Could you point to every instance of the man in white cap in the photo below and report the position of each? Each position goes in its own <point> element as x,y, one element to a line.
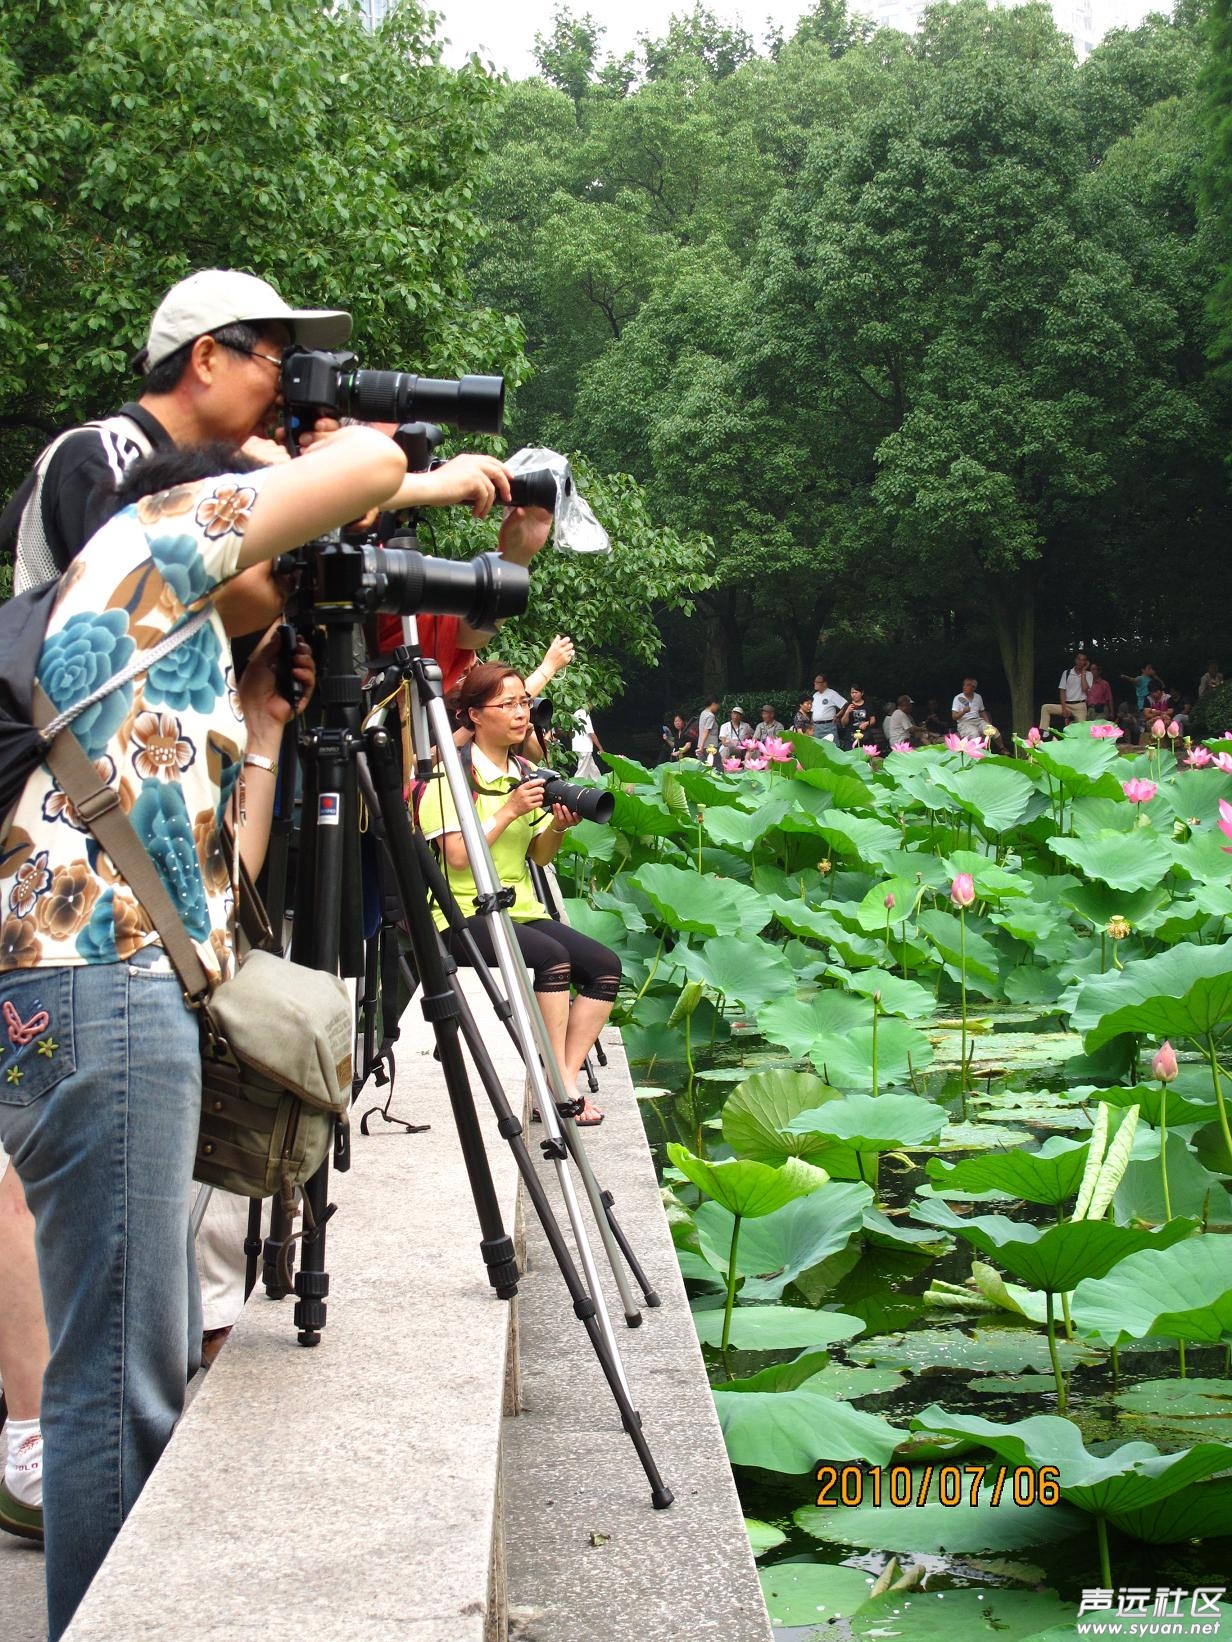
<point>210,365</point>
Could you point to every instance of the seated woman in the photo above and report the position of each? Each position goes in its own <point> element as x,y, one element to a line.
<point>492,702</point>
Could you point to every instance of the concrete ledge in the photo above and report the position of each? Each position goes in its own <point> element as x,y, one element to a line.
<point>347,1492</point>
<point>382,1485</point>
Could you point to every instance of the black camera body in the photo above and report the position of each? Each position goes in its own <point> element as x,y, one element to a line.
<point>591,803</point>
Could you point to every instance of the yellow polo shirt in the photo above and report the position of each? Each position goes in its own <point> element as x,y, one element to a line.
<point>438,815</point>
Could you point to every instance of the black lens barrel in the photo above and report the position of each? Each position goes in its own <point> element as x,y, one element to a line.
<point>474,403</point>
<point>486,590</point>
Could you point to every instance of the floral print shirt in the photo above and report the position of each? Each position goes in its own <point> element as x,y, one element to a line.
<point>171,740</point>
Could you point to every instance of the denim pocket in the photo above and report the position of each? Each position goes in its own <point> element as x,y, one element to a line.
<point>36,1033</point>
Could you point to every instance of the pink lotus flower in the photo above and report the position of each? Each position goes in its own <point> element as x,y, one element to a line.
<point>1107,732</point>
<point>1033,736</point>
<point>731,765</point>
<point>1158,727</point>
<point>974,748</point>
<point>1225,823</point>
<point>1199,756</point>
<point>779,751</point>
<point>889,901</point>
<point>1164,1065</point>
<point>954,742</point>
<point>1174,729</point>
<point>1141,792</point>
<point>962,890</point>
<point>749,741</point>
<point>872,751</point>
<point>752,762</point>
<point>904,747</point>
<point>1223,761</point>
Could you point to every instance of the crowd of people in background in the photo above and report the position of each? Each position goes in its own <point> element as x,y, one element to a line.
<point>850,721</point>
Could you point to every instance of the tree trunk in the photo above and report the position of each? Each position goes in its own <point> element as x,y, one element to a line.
<point>714,661</point>
<point>1011,597</point>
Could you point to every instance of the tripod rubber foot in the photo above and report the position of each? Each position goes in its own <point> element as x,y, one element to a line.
<point>651,1298</point>
<point>308,1337</point>
<point>661,1497</point>
<point>633,1318</point>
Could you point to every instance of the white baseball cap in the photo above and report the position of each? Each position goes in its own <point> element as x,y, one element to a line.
<point>214,297</point>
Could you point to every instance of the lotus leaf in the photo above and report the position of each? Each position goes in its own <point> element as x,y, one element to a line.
<point>859,836</point>
<point>797,1022</point>
<point>1192,1410</point>
<point>998,796</point>
<point>745,1187</point>
<point>1135,1487</point>
<point>702,906</point>
<point>1149,1098</point>
<point>763,1536</point>
<point>1123,860</point>
<point>790,1431</point>
<point>776,1328</point>
<point>879,1229</point>
<point>757,1112</point>
<point>868,1123</point>
<point>605,926</point>
<point>897,996</point>
<point>1050,1175</point>
<point>940,1616</point>
<point>750,972</point>
<point>942,929</point>
<point>773,1251</point>
<point>1056,1258</point>
<point>872,913</point>
<point>812,1593</point>
<point>935,1528</point>
<point>983,1351</point>
<point>628,770</point>
<point>645,816</point>
<point>1182,1293</point>
<point>1081,765</point>
<point>1184,993</point>
<point>786,1376</point>
<point>847,1061</point>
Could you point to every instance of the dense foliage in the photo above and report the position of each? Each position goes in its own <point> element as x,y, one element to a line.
<point>915,329</point>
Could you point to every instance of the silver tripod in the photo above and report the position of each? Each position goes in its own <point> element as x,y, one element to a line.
<point>430,720</point>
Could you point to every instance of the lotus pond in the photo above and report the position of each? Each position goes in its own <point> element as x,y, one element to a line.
<point>934,1054</point>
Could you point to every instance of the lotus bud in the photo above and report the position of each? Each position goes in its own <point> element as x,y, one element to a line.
<point>1118,928</point>
<point>1033,736</point>
<point>1164,1065</point>
<point>1174,729</point>
<point>1158,728</point>
<point>962,890</point>
<point>877,997</point>
<point>889,901</point>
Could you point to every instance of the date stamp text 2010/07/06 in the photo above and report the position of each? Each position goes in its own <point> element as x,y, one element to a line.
<point>955,1485</point>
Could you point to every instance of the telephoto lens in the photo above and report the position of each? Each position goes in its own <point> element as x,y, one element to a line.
<point>482,592</point>
<point>540,714</point>
<point>591,803</point>
<point>474,403</point>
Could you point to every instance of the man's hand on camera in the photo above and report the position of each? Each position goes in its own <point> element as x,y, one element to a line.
<point>307,437</point>
<point>477,480</point>
<point>267,451</point>
<point>523,532</point>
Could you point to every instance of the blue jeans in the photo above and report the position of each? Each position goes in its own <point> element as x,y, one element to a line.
<point>101,1124</point>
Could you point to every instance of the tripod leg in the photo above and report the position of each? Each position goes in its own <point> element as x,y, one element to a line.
<point>504,1013</point>
<point>441,1009</point>
<point>573,1141</point>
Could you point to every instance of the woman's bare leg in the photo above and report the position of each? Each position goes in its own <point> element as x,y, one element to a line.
<point>23,1333</point>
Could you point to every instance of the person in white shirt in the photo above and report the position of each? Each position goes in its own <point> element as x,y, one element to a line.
<point>732,733</point>
<point>900,726</point>
<point>1072,690</point>
<point>585,744</point>
<point>971,717</point>
<point>827,705</point>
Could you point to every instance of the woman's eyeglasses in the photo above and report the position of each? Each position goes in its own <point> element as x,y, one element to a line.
<point>509,706</point>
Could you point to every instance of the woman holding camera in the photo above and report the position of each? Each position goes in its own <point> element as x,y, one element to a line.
<point>492,702</point>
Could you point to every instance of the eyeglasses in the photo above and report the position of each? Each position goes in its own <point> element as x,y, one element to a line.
<point>254,353</point>
<point>514,703</point>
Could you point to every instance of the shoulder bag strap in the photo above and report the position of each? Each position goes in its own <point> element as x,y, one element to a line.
<point>98,805</point>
